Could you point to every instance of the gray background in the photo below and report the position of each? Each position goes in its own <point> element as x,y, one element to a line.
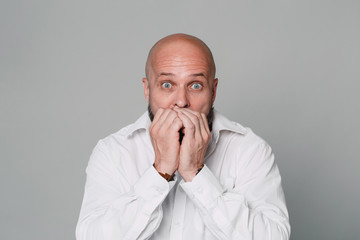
<point>70,74</point>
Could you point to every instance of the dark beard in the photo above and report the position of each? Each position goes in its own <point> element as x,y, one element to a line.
<point>209,117</point>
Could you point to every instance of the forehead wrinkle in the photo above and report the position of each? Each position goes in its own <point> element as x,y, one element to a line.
<point>196,65</point>
<point>183,69</point>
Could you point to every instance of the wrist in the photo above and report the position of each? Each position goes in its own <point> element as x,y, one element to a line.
<point>199,169</point>
<point>164,168</point>
<point>188,176</point>
<point>167,175</point>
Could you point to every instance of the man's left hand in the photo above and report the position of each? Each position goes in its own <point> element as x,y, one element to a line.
<point>194,144</point>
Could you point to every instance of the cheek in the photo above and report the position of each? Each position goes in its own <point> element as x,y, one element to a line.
<point>160,102</point>
<point>201,105</point>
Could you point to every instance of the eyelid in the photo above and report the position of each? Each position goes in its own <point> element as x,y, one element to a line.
<point>201,85</point>
<point>168,82</point>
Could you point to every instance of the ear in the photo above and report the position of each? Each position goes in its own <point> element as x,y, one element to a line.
<point>214,90</point>
<point>145,82</point>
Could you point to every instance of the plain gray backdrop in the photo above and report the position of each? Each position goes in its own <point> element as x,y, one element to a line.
<point>70,74</point>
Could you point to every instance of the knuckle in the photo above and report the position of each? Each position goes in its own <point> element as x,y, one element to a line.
<point>153,130</point>
<point>207,137</point>
<point>153,134</point>
<point>172,113</point>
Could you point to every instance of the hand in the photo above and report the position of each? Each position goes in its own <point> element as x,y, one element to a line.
<point>164,133</point>
<point>195,142</point>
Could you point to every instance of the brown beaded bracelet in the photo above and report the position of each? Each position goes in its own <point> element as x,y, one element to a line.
<point>167,176</point>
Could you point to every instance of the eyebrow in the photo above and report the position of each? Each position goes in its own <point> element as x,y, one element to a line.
<point>166,74</point>
<point>191,75</point>
<point>198,75</point>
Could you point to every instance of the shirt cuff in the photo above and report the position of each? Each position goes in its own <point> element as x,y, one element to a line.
<point>152,186</point>
<point>204,188</point>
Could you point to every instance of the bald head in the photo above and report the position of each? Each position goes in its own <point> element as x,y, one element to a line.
<point>177,45</point>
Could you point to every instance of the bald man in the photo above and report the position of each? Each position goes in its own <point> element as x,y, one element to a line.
<point>182,170</point>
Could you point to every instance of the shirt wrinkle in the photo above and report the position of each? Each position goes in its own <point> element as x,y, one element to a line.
<point>236,188</point>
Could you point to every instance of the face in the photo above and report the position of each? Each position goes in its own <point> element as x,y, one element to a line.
<point>180,76</point>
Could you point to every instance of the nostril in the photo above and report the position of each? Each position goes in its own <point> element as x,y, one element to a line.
<point>186,106</point>
<point>180,105</point>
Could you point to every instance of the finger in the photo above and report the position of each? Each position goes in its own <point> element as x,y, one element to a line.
<point>195,118</point>
<point>177,124</point>
<point>202,118</point>
<point>206,132</point>
<point>171,123</point>
<point>158,119</point>
<point>164,116</point>
<point>203,131</point>
<point>158,114</point>
<point>189,127</point>
<point>205,122</point>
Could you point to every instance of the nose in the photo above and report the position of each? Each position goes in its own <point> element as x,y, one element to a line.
<point>181,98</point>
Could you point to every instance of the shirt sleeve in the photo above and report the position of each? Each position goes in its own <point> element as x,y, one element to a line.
<point>112,209</point>
<point>252,207</point>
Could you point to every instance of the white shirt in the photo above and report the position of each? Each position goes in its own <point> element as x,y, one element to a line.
<point>237,195</point>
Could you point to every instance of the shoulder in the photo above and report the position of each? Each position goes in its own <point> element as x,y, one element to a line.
<point>250,154</point>
<point>126,136</point>
<point>239,138</point>
<point>227,128</point>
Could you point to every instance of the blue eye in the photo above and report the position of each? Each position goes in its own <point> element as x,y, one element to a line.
<point>196,86</point>
<point>166,85</point>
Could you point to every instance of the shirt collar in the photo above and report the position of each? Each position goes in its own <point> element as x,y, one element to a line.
<point>220,123</point>
<point>142,122</point>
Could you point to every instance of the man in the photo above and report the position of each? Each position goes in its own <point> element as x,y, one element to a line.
<point>182,171</point>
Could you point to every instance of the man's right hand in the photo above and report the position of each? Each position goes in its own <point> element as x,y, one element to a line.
<point>164,133</point>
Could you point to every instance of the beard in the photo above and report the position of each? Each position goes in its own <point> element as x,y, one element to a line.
<point>209,117</point>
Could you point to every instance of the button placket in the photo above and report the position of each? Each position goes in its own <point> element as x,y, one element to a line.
<point>178,214</point>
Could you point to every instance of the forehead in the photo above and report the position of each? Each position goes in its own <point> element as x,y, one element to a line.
<point>180,56</point>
